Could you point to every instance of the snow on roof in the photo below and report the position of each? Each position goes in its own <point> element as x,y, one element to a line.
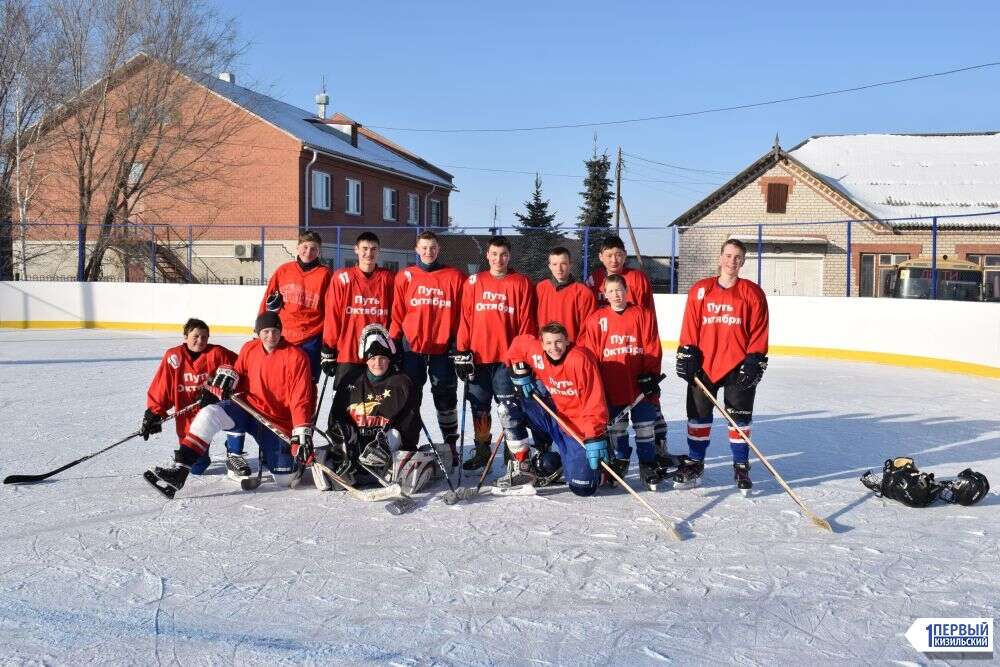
<point>906,175</point>
<point>306,127</point>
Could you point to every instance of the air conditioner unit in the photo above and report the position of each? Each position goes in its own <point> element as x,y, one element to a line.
<point>245,251</point>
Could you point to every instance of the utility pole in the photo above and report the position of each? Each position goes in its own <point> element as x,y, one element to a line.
<point>618,192</point>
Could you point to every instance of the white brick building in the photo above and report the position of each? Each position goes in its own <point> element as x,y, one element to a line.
<point>880,183</point>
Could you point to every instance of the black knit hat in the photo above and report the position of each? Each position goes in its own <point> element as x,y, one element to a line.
<point>267,320</point>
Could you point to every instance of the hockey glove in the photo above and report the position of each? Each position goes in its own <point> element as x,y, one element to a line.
<point>649,384</point>
<point>151,423</point>
<point>302,445</point>
<point>597,451</point>
<point>751,371</point>
<point>689,362</point>
<point>275,302</point>
<point>328,360</point>
<point>465,370</point>
<point>523,379</point>
<point>221,386</point>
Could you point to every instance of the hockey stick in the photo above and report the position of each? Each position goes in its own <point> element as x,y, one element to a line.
<point>30,479</point>
<point>671,528</point>
<point>451,497</point>
<point>815,518</point>
<point>635,401</point>
<point>461,437</point>
<point>466,492</point>
<point>375,495</point>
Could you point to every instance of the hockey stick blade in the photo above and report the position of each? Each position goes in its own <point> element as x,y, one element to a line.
<point>250,483</point>
<point>400,506</point>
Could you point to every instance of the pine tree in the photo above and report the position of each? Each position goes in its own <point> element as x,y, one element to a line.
<point>595,213</point>
<point>539,233</point>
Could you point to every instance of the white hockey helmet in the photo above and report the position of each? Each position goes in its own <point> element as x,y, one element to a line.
<point>374,341</point>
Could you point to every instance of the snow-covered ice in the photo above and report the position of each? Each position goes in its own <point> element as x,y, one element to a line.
<point>96,567</point>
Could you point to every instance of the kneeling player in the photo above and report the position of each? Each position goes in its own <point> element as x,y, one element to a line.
<point>375,420</point>
<point>274,378</point>
<point>183,371</point>
<point>566,377</point>
<point>723,343</point>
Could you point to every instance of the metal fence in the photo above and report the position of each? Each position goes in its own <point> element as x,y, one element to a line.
<point>814,258</point>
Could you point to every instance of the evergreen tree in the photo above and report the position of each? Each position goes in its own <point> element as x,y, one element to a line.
<point>539,233</point>
<point>595,213</point>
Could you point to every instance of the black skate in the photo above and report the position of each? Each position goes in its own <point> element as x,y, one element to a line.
<point>167,481</point>
<point>620,466</point>
<point>519,473</point>
<point>480,458</point>
<point>650,475</point>
<point>741,472</point>
<point>237,468</point>
<point>668,462</point>
<point>689,474</point>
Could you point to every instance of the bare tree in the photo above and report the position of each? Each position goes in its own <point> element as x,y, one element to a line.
<point>135,124</point>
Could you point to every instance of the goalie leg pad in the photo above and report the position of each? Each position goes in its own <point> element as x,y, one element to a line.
<point>413,470</point>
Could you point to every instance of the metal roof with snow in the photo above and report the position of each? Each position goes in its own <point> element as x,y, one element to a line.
<point>314,133</point>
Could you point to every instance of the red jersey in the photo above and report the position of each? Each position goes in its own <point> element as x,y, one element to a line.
<point>627,345</point>
<point>304,294</point>
<point>726,324</point>
<point>180,378</point>
<point>639,290</point>
<point>279,385</point>
<point>494,311</point>
<point>569,304</point>
<point>426,308</point>
<point>353,302</point>
<point>570,381</point>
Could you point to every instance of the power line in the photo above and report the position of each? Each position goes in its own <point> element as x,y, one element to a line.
<point>677,166</point>
<point>685,114</point>
<point>578,176</point>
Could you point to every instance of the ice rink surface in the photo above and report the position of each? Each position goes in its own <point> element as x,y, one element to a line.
<point>97,568</point>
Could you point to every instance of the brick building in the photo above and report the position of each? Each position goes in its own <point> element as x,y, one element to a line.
<point>285,170</point>
<point>889,186</point>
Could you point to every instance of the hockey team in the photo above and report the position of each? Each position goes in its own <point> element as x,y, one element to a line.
<point>568,366</point>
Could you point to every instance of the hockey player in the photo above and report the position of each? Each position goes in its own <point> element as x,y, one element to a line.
<point>358,296</point>
<point>425,315</point>
<point>273,377</point>
<point>562,298</point>
<point>375,419</point>
<point>564,376</point>
<point>183,371</point>
<point>613,257</point>
<point>723,342</point>
<point>625,340</point>
<point>497,305</point>
<point>297,292</point>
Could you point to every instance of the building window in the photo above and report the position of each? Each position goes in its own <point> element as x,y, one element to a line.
<point>413,211</point>
<point>991,274</point>
<point>352,202</point>
<point>436,210</point>
<point>321,190</point>
<point>390,204</point>
<point>777,197</point>
<point>876,271</point>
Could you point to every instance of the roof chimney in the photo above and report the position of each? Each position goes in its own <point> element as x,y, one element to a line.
<point>228,77</point>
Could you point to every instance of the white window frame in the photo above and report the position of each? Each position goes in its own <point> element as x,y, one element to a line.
<point>352,202</point>
<point>413,210</point>
<point>321,190</point>
<point>436,213</point>
<point>390,204</point>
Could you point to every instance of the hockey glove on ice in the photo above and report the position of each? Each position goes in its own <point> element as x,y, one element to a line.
<point>328,361</point>
<point>220,387</point>
<point>151,423</point>
<point>523,379</point>
<point>751,371</point>
<point>302,445</point>
<point>464,368</point>
<point>689,362</point>
<point>649,384</point>
<point>275,302</point>
<point>597,451</point>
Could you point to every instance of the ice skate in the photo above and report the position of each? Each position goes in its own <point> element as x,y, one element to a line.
<point>689,474</point>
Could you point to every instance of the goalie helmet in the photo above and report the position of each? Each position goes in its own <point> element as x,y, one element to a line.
<point>968,489</point>
<point>375,341</point>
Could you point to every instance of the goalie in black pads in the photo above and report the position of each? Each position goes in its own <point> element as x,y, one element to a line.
<point>374,424</point>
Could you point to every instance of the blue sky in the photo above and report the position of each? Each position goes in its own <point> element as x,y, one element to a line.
<point>514,64</point>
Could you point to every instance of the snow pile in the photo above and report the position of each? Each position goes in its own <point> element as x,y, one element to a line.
<point>95,566</point>
<point>897,175</point>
